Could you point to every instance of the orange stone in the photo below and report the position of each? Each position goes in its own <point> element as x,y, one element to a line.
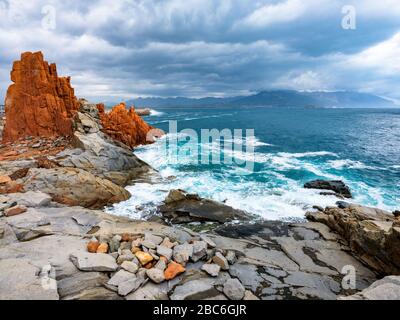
<point>4,179</point>
<point>144,257</point>
<point>92,246</point>
<point>149,265</point>
<point>103,248</point>
<point>14,211</point>
<point>126,237</point>
<point>173,270</point>
<point>135,249</point>
<point>11,187</point>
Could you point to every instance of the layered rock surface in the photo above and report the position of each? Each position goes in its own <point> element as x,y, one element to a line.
<point>373,234</point>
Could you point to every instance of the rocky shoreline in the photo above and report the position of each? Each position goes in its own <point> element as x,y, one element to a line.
<point>56,242</point>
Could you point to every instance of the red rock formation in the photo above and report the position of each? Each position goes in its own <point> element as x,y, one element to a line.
<point>39,103</point>
<point>124,125</point>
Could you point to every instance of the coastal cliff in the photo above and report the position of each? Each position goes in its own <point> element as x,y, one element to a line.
<point>56,242</point>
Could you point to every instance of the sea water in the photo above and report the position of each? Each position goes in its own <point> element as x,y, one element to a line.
<point>291,146</point>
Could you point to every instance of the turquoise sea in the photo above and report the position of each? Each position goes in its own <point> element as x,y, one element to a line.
<point>291,146</point>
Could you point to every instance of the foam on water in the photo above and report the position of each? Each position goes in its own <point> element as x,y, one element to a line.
<point>278,198</point>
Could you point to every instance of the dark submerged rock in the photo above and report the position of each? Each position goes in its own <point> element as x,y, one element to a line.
<point>337,186</point>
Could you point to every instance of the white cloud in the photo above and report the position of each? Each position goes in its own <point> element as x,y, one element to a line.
<point>383,58</point>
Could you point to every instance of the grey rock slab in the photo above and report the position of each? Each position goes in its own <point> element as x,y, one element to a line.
<point>271,258</point>
<point>295,250</point>
<point>94,261</point>
<point>21,280</point>
<point>128,286</point>
<point>247,274</point>
<point>31,198</point>
<point>72,286</point>
<point>320,283</point>
<point>54,250</point>
<point>194,290</point>
<point>150,291</point>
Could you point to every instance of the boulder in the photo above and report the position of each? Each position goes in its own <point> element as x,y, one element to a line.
<point>99,155</point>
<point>126,126</point>
<point>180,207</point>
<point>38,103</point>
<point>75,187</point>
<point>338,187</point>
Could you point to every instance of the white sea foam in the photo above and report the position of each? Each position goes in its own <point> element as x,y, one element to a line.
<point>156,113</point>
<point>276,197</point>
<point>350,164</point>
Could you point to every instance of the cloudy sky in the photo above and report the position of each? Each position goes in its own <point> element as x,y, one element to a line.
<point>121,49</point>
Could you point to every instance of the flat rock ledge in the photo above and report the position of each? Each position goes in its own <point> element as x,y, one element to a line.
<point>61,252</point>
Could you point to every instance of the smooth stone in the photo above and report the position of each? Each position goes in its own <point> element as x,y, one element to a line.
<point>233,289</point>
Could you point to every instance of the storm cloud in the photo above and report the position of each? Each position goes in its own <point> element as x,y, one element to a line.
<point>123,49</point>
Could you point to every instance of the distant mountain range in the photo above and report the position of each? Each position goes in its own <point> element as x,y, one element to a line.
<point>277,98</point>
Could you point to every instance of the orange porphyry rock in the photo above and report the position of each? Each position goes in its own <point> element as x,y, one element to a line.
<point>38,103</point>
<point>173,270</point>
<point>92,246</point>
<point>103,248</point>
<point>126,126</point>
